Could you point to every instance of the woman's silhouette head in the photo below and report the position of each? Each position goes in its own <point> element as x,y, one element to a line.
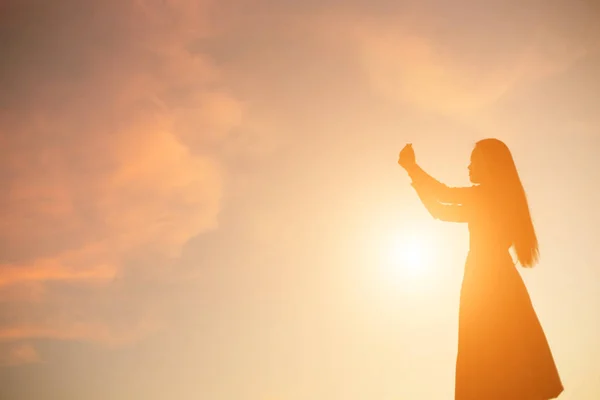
<point>492,163</point>
<point>492,166</point>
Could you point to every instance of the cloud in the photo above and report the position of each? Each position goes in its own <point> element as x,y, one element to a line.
<point>63,330</point>
<point>459,58</point>
<point>54,270</point>
<point>103,127</point>
<point>19,354</point>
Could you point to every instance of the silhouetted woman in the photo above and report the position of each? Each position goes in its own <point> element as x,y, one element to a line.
<point>502,350</point>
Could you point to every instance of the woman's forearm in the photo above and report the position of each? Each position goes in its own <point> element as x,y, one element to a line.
<point>421,178</point>
<point>432,188</point>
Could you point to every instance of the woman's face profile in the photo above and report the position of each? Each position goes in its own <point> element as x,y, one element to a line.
<point>477,166</point>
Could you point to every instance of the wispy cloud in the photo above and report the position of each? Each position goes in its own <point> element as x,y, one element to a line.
<point>102,127</point>
<point>414,57</point>
<point>19,354</point>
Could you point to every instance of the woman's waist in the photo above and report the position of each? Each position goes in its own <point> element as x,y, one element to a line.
<point>490,253</point>
<point>489,245</point>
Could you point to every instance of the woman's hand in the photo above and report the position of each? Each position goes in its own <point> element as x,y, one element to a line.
<point>407,159</point>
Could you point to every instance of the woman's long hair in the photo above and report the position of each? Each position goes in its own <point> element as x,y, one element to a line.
<point>503,175</point>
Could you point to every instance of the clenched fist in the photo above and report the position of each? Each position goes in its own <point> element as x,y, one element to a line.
<point>406,158</point>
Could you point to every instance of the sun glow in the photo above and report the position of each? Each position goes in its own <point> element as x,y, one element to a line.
<point>409,252</point>
<point>408,255</point>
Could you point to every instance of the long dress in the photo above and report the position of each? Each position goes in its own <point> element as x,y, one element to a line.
<point>503,352</point>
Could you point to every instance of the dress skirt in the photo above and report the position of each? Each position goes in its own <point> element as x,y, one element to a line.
<point>503,352</point>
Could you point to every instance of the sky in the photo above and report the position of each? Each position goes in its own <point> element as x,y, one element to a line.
<point>200,199</point>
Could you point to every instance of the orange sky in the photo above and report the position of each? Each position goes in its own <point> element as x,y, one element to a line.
<point>197,195</point>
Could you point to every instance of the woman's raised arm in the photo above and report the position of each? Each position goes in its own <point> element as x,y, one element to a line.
<point>443,202</point>
<point>444,194</point>
<point>455,212</point>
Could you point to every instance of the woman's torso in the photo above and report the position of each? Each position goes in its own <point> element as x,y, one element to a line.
<point>490,233</point>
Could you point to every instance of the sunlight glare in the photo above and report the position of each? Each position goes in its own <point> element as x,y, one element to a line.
<point>409,255</point>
